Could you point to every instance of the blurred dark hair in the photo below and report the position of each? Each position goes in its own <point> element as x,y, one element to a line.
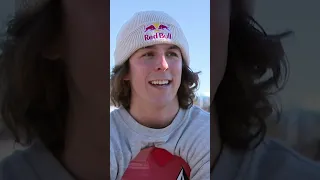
<point>34,96</point>
<point>257,68</point>
<point>121,90</point>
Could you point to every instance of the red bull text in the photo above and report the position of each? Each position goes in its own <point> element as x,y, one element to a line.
<point>157,31</point>
<point>157,36</point>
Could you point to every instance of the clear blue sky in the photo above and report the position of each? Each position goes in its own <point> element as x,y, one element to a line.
<point>193,17</point>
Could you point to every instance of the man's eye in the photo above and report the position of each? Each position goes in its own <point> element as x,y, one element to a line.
<point>172,54</point>
<point>147,54</point>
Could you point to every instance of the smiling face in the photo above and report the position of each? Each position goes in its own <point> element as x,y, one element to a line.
<point>155,74</point>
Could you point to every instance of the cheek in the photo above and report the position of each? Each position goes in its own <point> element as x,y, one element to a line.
<point>138,80</point>
<point>176,68</point>
<point>138,73</point>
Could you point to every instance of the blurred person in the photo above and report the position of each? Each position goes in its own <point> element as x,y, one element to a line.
<point>54,93</point>
<point>248,67</point>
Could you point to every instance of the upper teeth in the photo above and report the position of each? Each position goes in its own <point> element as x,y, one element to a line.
<point>160,82</point>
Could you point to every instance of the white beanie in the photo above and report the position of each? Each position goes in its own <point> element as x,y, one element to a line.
<point>148,28</point>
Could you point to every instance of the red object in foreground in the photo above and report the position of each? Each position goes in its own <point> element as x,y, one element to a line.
<point>157,164</point>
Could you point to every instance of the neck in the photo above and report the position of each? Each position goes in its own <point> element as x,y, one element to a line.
<point>153,116</point>
<point>86,141</point>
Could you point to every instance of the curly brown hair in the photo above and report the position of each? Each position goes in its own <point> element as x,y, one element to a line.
<point>256,70</point>
<point>120,90</point>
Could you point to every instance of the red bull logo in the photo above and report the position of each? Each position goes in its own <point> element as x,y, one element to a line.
<point>150,28</point>
<point>163,27</point>
<point>157,31</point>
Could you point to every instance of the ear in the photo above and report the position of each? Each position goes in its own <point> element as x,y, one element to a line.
<point>54,50</point>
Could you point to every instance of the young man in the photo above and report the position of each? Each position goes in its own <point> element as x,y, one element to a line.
<point>154,86</point>
<point>54,93</point>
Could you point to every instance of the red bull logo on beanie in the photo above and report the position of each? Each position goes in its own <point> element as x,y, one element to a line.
<point>157,31</point>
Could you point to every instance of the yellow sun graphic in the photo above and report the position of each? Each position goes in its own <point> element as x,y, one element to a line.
<point>157,26</point>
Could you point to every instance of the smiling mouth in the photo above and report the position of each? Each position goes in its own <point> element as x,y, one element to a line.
<point>160,82</point>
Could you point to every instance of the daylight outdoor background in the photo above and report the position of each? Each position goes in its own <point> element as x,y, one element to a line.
<point>300,123</point>
<point>194,23</point>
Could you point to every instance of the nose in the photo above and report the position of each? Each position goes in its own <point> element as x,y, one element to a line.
<point>162,65</point>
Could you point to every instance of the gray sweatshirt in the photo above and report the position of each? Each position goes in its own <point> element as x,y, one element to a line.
<point>188,136</point>
<point>270,161</point>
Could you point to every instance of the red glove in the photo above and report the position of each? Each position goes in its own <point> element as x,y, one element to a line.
<point>157,164</point>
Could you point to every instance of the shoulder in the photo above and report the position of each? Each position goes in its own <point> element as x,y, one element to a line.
<point>196,130</point>
<point>198,114</point>
<point>197,119</point>
<point>117,113</point>
<point>114,112</point>
<point>116,116</point>
<point>116,120</point>
<point>117,132</point>
<point>277,161</point>
<point>14,167</point>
